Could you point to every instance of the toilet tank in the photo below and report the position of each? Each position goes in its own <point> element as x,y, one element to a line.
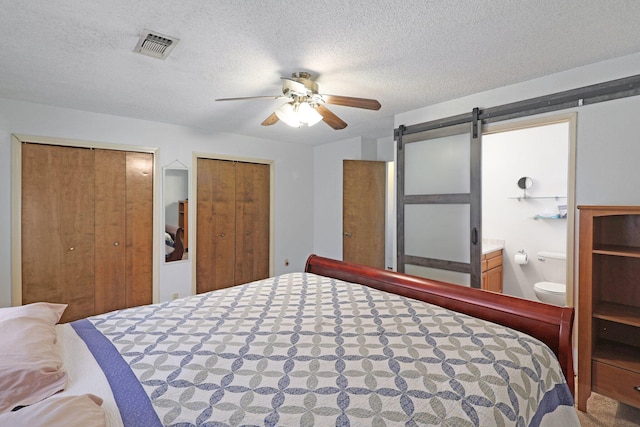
<point>553,266</point>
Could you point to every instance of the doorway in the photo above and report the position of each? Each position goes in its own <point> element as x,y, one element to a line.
<point>539,217</point>
<point>363,212</point>
<point>438,200</point>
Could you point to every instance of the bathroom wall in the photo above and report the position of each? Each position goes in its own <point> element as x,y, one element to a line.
<point>540,153</point>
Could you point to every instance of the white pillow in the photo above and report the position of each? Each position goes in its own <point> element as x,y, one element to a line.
<point>70,411</point>
<point>30,364</point>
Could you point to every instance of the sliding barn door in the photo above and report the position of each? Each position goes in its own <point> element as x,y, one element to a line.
<point>439,210</point>
<point>233,205</point>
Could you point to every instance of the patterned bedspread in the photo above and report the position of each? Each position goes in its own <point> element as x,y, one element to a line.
<point>303,350</point>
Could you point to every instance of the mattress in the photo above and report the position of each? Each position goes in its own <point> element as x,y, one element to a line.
<point>302,349</point>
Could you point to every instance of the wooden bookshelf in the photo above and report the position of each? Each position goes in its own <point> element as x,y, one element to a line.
<point>609,304</point>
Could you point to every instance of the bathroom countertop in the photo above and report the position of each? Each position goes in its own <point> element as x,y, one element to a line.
<point>490,245</point>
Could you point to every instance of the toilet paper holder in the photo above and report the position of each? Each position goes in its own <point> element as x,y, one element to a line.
<point>521,257</point>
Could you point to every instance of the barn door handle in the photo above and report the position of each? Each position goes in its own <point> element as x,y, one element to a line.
<point>474,236</point>
<point>347,234</point>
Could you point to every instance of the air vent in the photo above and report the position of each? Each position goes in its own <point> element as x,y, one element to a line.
<point>155,44</point>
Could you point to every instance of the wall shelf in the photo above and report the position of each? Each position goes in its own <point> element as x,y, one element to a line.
<point>536,217</point>
<point>526,196</point>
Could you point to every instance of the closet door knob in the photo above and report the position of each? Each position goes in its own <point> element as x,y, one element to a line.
<point>248,233</point>
<point>72,248</point>
<point>222,234</point>
<point>347,234</point>
<point>116,243</point>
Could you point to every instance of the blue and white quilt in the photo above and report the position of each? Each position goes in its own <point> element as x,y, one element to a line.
<point>304,350</point>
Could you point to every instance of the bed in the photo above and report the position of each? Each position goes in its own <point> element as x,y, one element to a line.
<point>337,344</point>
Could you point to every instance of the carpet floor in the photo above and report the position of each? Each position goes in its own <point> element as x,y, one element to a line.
<point>603,411</point>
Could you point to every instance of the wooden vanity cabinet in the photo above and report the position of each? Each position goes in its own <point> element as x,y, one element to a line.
<point>492,271</point>
<point>609,304</point>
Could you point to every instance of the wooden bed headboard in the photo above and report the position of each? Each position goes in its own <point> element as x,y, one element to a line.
<point>550,324</point>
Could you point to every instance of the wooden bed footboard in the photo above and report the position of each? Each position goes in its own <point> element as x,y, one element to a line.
<point>550,324</point>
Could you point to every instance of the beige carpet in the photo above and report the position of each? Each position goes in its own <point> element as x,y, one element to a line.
<point>603,411</point>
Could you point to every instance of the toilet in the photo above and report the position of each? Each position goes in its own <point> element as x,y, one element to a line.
<point>553,266</point>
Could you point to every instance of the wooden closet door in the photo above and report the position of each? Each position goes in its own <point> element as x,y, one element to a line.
<point>139,228</point>
<point>58,227</point>
<point>252,222</point>
<point>215,213</point>
<point>110,190</point>
<point>124,227</point>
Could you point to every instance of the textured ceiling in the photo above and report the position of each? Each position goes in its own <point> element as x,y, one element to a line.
<point>406,54</point>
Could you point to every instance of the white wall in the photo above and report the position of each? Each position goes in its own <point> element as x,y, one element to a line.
<point>293,165</point>
<point>327,194</point>
<point>607,138</point>
<point>328,191</point>
<point>386,149</point>
<point>309,180</point>
<point>608,141</point>
<point>541,153</point>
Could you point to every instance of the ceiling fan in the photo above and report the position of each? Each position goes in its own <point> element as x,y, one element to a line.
<point>306,106</point>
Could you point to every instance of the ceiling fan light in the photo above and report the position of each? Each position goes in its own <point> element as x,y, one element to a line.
<point>308,114</point>
<point>287,114</point>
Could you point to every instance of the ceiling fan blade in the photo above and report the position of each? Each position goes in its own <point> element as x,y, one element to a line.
<point>329,118</point>
<point>347,101</point>
<point>271,120</point>
<point>251,97</point>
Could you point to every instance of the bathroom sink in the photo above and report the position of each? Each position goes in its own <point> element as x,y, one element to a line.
<point>491,245</point>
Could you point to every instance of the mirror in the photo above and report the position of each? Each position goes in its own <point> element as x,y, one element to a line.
<point>525,182</point>
<point>176,213</point>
